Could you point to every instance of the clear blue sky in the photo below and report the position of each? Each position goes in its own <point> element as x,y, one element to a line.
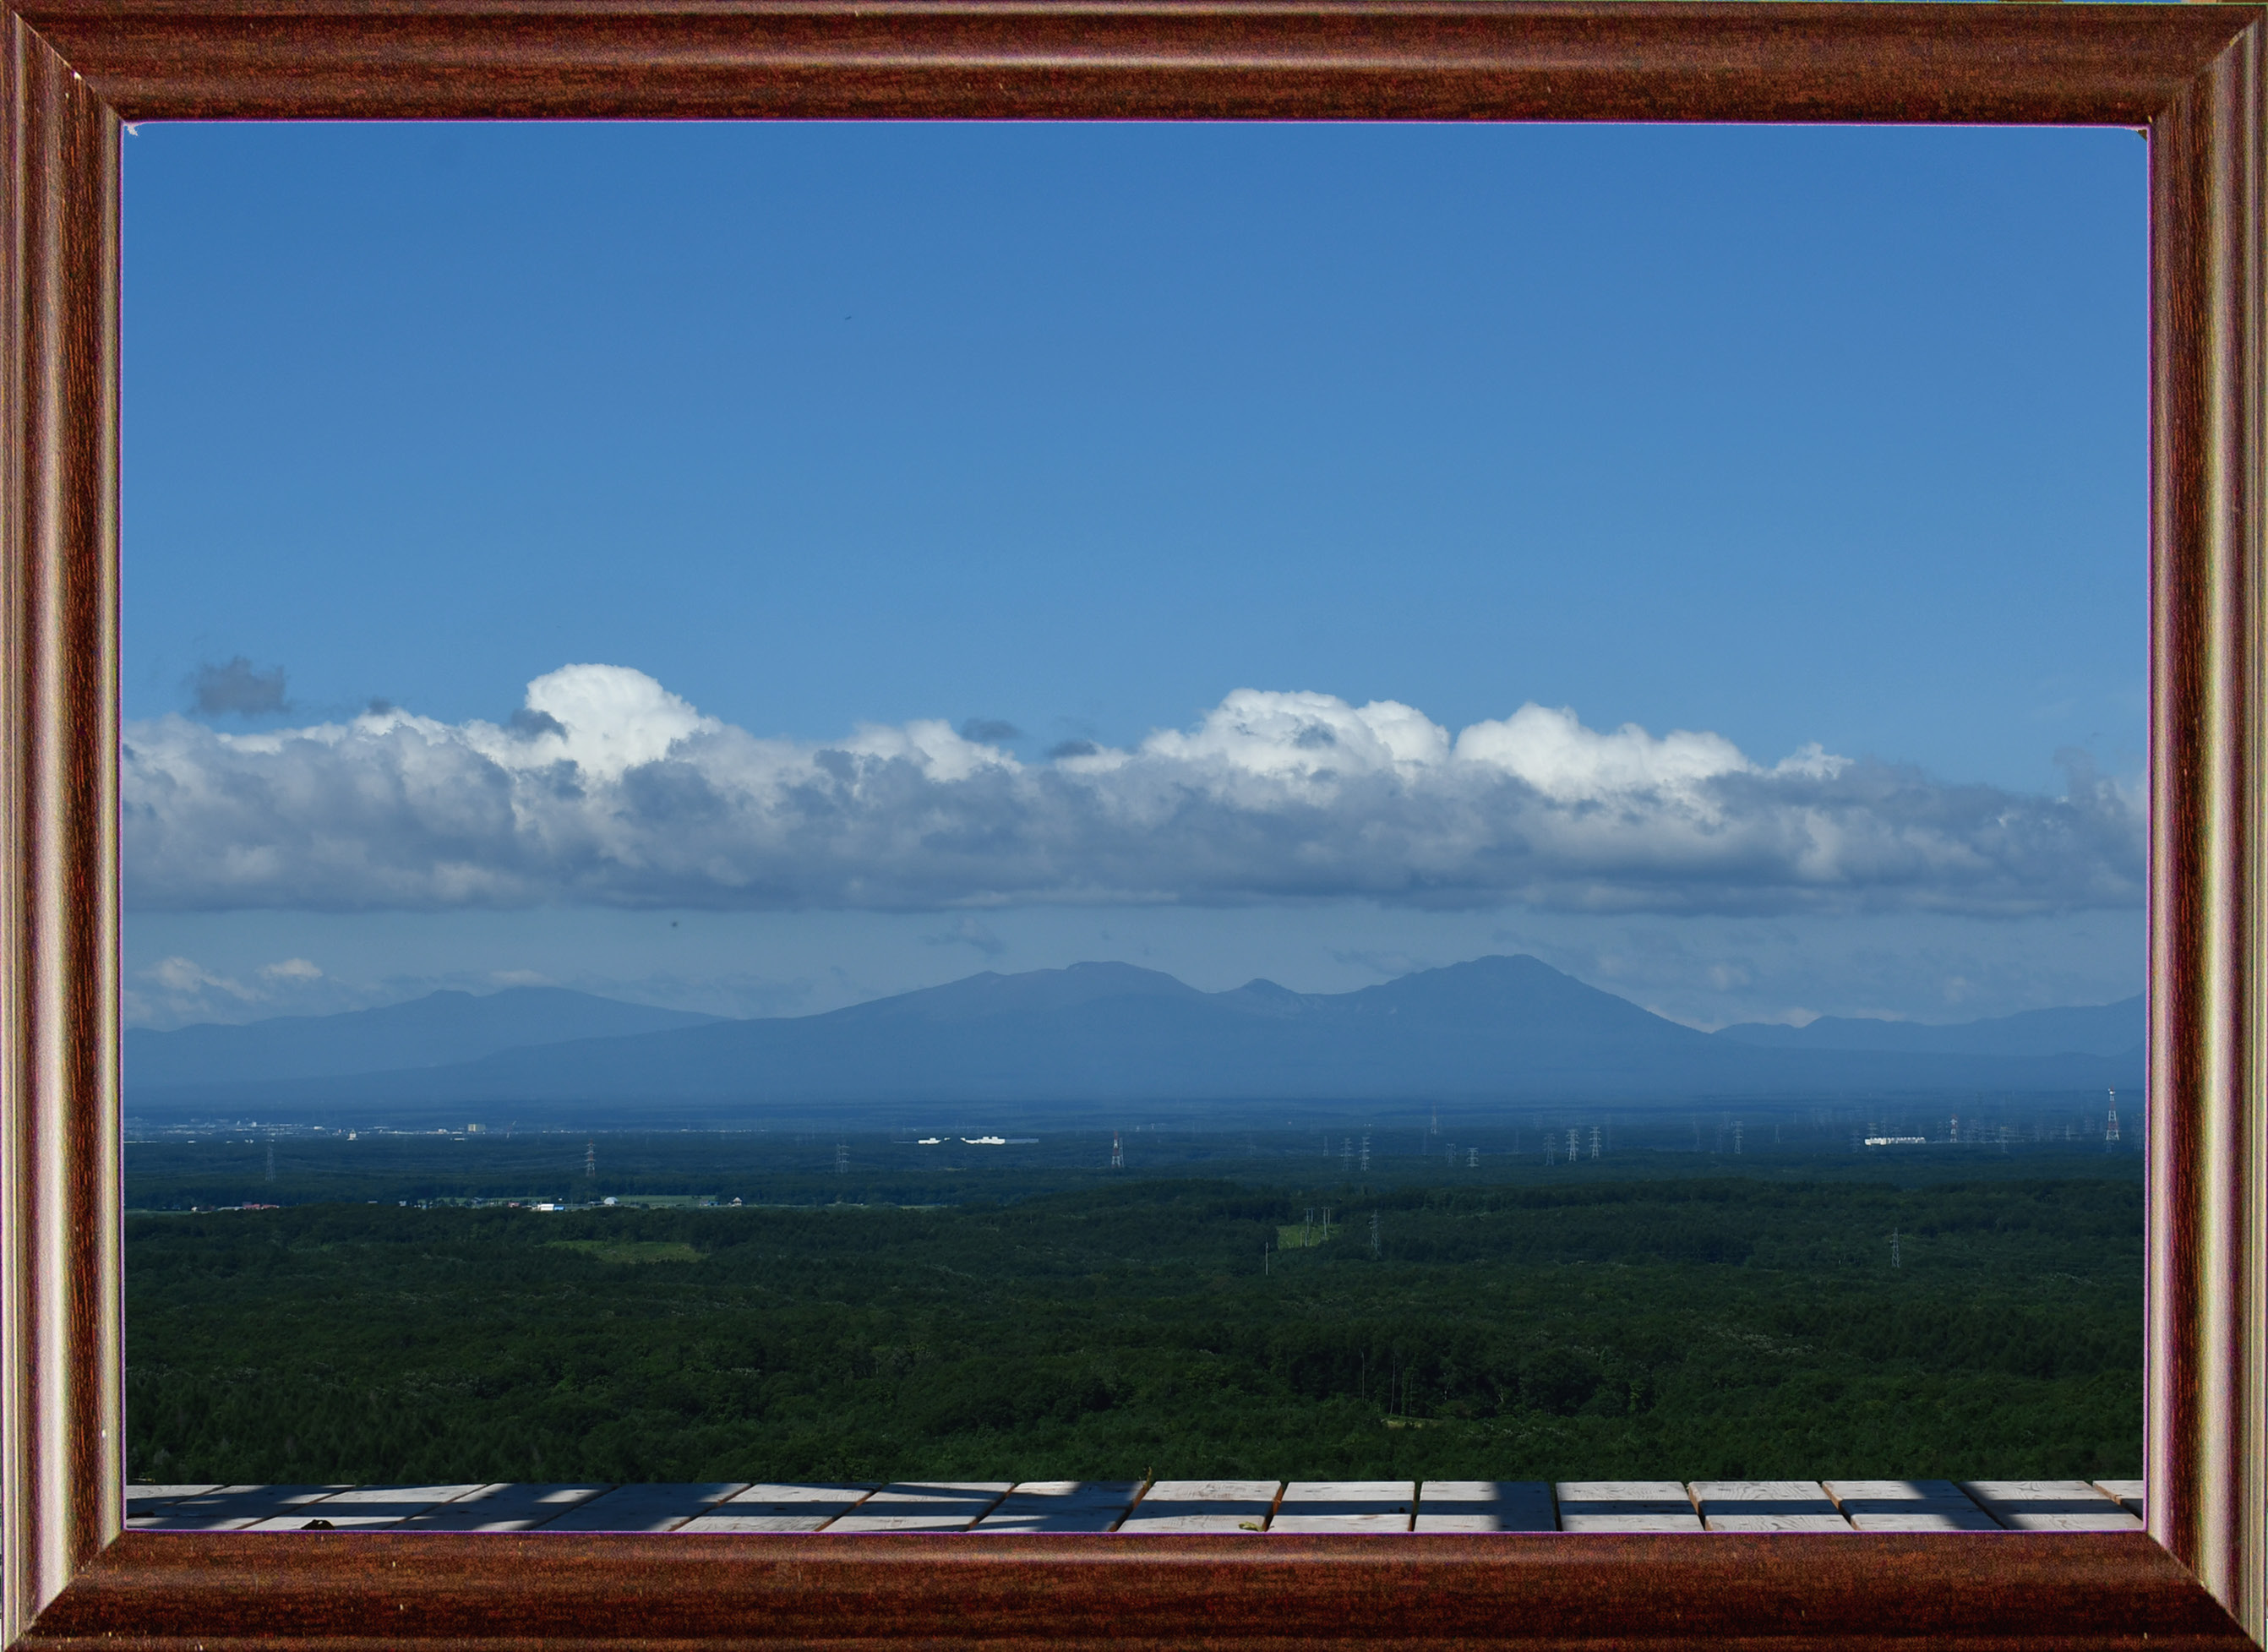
<point>1830,437</point>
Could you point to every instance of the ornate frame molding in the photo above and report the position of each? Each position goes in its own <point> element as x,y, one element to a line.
<point>74,69</point>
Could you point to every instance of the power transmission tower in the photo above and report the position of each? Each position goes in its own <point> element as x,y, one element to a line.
<point>1574,1148</point>
<point>1346,1154</point>
<point>841,1158</point>
<point>1373,1235</point>
<point>1437,1119</point>
<point>591,1160</point>
<point>1117,1152</point>
<point>1472,1159</point>
<point>271,1158</point>
<point>2111,1124</point>
<point>1595,1141</point>
<point>1365,1155</point>
<point>1736,1135</point>
<point>1894,1248</point>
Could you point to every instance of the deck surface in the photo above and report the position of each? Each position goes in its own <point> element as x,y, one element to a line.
<point>1160,1507</point>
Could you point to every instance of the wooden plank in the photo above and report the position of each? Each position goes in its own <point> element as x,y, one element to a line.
<point>504,1506</point>
<point>1766,1506</point>
<point>1171,1506</point>
<point>366,1506</point>
<point>1486,1506</point>
<point>1626,1506</point>
<point>2127,1494</point>
<point>924,1506</point>
<point>1062,1506</point>
<point>643,1507</point>
<point>233,1507</point>
<point>2050,1506</point>
<point>768,1506</point>
<point>1908,1506</point>
<point>1376,1506</point>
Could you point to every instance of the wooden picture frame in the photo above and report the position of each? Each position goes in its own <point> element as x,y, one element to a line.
<point>2189,75</point>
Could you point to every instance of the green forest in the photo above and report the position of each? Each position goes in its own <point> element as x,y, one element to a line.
<point>1624,1322</point>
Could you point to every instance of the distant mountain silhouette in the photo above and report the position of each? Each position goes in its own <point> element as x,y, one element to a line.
<point>1495,1028</point>
<point>429,1031</point>
<point>2099,1029</point>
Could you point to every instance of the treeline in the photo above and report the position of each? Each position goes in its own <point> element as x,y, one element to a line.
<point>247,1165</point>
<point>1690,1329</point>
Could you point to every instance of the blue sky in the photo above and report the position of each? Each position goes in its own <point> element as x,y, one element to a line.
<point>1814,442</point>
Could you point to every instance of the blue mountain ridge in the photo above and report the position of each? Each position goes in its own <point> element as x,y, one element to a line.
<point>1493,1027</point>
<point>435,1030</point>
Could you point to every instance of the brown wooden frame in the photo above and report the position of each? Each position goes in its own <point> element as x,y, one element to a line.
<point>73,69</point>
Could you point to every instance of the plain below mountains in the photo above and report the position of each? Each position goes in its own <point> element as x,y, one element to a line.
<point>1495,1029</point>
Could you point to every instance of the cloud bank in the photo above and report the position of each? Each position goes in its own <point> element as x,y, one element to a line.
<point>606,788</point>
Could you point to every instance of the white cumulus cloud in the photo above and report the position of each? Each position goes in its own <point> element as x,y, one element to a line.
<point>606,788</point>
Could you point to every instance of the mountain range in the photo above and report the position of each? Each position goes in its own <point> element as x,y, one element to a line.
<point>1495,1027</point>
<point>431,1031</point>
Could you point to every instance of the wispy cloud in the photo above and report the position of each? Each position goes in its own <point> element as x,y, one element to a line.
<point>235,688</point>
<point>177,990</point>
<point>608,789</point>
<point>966,931</point>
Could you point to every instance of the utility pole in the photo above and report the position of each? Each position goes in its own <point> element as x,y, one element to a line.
<point>271,1158</point>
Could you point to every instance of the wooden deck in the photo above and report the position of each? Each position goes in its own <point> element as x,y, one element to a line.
<point>1160,1507</point>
